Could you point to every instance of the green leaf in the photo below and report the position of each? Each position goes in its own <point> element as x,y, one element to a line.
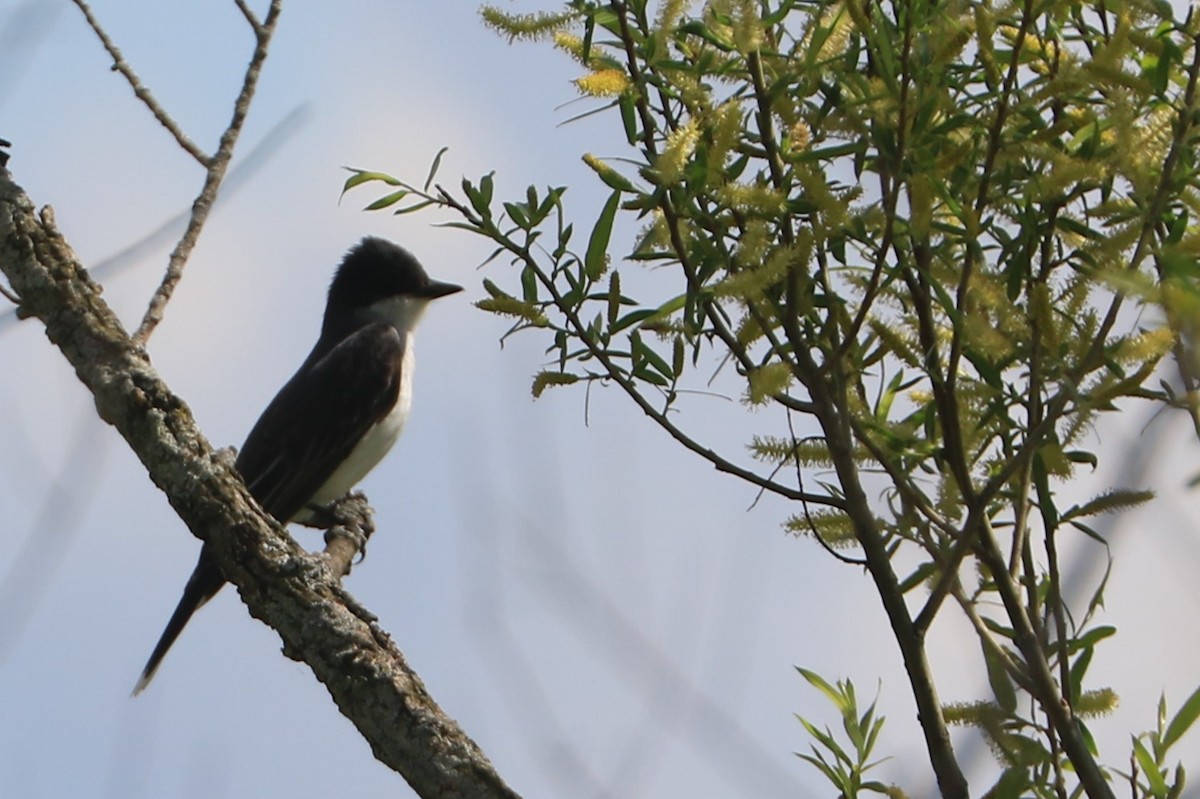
<point>699,29</point>
<point>631,318</point>
<point>361,176</point>
<point>611,177</point>
<point>1041,482</point>
<point>1094,636</point>
<point>998,679</point>
<point>822,766</point>
<point>614,296</point>
<point>832,152</point>
<point>491,288</point>
<point>648,364</point>
<point>888,396</point>
<point>595,260</point>
<point>437,162</point>
<point>516,212</point>
<point>1078,228</point>
<point>475,197</point>
<point>1183,720</point>
<point>408,209</point>
<point>467,226</point>
<point>818,682</point>
<point>918,577</point>
<point>529,284</point>
<point>553,198</point>
<point>1082,456</point>
<point>1079,669</point>
<point>388,199</point>
<point>589,30</point>
<point>628,117</point>
<point>1011,785</point>
<point>487,186</point>
<point>1158,786</point>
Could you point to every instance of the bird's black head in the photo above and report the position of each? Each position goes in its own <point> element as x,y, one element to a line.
<point>376,269</point>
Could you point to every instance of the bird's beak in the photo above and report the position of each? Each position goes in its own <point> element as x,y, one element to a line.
<point>434,289</point>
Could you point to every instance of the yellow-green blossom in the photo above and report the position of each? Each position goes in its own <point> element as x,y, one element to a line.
<point>603,83</point>
<point>674,158</point>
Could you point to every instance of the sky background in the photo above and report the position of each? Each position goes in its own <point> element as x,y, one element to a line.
<point>604,614</point>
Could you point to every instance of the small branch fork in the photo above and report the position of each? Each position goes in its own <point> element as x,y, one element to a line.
<point>215,165</point>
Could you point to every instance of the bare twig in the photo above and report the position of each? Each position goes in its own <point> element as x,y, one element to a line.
<point>250,16</point>
<point>804,505</point>
<point>1012,667</point>
<point>139,89</point>
<point>215,174</point>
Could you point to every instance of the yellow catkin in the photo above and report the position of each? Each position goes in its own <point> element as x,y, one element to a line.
<point>677,152</point>
<point>603,83</point>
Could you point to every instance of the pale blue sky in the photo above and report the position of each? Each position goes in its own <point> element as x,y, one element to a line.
<point>599,610</point>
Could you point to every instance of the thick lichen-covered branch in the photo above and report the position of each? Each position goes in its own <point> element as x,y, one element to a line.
<point>293,592</point>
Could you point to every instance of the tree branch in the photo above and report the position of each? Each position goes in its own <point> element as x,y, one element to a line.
<point>293,592</point>
<point>139,89</point>
<point>951,781</point>
<point>214,175</point>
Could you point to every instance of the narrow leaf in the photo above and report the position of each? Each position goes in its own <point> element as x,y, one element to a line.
<point>1158,786</point>
<point>387,199</point>
<point>597,250</point>
<point>1183,720</point>
<point>360,177</point>
<point>437,162</point>
<point>998,679</point>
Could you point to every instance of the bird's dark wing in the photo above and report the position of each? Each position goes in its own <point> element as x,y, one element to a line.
<point>304,434</point>
<point>318,417</point>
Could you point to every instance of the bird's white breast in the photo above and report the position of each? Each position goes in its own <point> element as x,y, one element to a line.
<point>376,442</point>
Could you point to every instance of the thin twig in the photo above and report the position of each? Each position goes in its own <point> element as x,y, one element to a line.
<point>804,505</point>
<point>1012,667</point>
<point>139,89</point>
<point>1045,688</point>
<point>214,176</point>
<point>612,371</point>
<point>249,15</point>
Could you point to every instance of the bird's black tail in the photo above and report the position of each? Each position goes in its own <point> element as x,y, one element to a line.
<point>202,586</point>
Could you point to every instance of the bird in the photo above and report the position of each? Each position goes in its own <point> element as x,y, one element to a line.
<point>338,415</point>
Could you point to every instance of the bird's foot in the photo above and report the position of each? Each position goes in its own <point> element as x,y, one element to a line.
<point>348,524</point>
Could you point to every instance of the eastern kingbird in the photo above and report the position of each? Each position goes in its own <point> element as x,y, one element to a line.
<point>338,415</point>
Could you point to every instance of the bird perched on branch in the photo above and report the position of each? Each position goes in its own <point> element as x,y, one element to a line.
<point>338,415</point>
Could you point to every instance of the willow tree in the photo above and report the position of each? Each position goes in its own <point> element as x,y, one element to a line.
<point>943,238</point>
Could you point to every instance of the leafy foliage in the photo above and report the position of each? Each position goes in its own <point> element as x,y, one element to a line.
<point>844,766</point>
<point>943,238</point>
